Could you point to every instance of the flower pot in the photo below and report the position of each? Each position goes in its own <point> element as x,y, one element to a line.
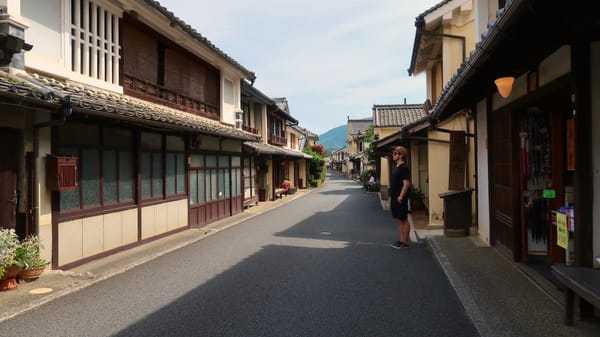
<point>9,281</point>
<point>31,274</point>
<point>11,272</point>
<point>8,284</point>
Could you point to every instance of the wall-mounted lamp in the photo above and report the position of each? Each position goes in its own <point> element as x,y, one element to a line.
<point>504,85</point>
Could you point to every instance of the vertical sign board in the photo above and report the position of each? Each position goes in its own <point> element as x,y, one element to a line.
<point>458,159</point>
<point>562,235</point>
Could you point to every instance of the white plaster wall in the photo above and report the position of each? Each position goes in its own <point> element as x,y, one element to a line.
<point>159,219</point>
<point>81,238</point>
<point>595,60</point>
<point>49,33</point>
<point>439,157</point>
<point>384,179</point>
<point>483,188</point>
<point>45,33</point>
<point>86,237</point>
<point>230,96</point>
<point>92,235</point>
<point>555,65</point>
<point>269,180</point>
<point>302,172</point>
<point>70,241</point>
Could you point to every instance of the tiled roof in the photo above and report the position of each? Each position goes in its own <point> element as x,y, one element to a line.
<point>356,125</point>
<point>283,108</point>
<point>397,115</point>
<point>263,148</point>
<point>248,90</point>
<point>39,90</point>
<point>430,10</point>
<point>282,104</point>
<point>190,30</point>
<point>305,131</point>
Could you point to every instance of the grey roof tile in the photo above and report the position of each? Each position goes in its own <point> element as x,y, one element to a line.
<point>356,125</point>
<point>45,90</point>
<point>263,148</point>
<point>397,115</point>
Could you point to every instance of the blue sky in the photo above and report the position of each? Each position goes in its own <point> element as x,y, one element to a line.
<point>330,58</point>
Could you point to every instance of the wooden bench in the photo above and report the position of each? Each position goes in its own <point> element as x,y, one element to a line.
<point>585,282</point>
<point>279,192</point>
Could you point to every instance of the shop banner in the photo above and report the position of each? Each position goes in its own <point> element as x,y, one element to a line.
<point>562,235</point>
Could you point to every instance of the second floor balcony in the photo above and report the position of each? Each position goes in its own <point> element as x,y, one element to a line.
<point>277,140</point>
<point>250,129</point>
<point>158,94</point>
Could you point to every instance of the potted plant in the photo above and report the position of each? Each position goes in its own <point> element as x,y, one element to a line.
<point>415,197</point>
<point>9,242</point>
<point>28,257</point>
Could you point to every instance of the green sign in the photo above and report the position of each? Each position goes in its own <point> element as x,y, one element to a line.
<point>549,194</point>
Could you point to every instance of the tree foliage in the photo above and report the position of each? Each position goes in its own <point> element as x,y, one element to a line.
<point>316,166</point>
<point>370,138</point>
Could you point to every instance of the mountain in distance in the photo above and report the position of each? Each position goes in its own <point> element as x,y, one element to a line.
<point>333,139</point>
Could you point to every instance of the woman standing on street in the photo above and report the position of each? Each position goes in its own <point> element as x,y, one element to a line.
<point>399,186</point>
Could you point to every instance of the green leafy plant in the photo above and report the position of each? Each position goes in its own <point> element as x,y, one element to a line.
<point>9,242</point>
<point>415,193</point>
<point>316,166</point>
<point>28,253</point>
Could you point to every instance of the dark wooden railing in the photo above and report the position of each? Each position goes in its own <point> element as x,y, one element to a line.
<point>161,95</point>
<point>250,129</point>
<point>277,140</point>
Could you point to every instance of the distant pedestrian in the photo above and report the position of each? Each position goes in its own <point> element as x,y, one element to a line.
<point>369,186</point>
<point>399,187</point>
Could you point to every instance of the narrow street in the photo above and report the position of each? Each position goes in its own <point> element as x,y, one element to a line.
<point>318,266</point>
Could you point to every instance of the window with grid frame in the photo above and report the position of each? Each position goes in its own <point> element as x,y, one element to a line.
<point>160,181</point>
<point>95,45</point>
<point>249,177</point>
<point>105,166</point>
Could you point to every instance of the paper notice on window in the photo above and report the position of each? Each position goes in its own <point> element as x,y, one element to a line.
<point>562,235</point>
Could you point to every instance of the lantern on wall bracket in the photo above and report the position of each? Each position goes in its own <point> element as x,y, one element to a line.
<point>504,85</point>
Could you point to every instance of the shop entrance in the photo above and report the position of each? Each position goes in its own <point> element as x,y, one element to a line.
<point>537,186</point>
<point>530,179</point>
<point>505,184</point>
<point>546,182</point>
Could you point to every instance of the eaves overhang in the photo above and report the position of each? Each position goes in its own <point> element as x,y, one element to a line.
<point>262,148</point>
<point>39,91</point>
<point>249,91</point>
<point>420,24</point>
<point>403,134</point>
<point>523,33</point>
<point>274,109</point>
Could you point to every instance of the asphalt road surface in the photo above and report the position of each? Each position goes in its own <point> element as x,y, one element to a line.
<point>318,266</point>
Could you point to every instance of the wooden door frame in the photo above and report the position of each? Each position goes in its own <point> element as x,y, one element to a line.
<point>515,254</point>
<point>15,135</point>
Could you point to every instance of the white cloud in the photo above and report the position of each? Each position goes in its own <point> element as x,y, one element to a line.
<point>330,58</point>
